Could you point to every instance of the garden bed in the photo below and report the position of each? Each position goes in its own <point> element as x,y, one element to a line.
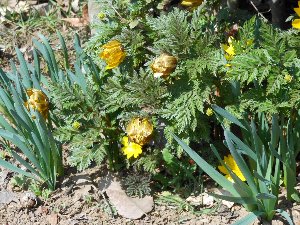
<point>133,120</point>
<point>79,201</point>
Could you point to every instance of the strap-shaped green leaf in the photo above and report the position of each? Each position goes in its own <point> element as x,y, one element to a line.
<point>243,147</point>
<point>258,176</point>
<point>239,200</point>
<point>6,125</point>
<point>50,51</point>
<point>241,187</point>
<point>249,219</point>
<point>207,168</point>
<point>45,53</point>
<point>241,164</point>
<point>265,196</point>
<point>24,72</point>
<point>8,103</point>
<point>4,78</point>
<point>275,132</point>
<point>81,78</point>
<point>227,115</point>
<point>26,164</point>
<point>286,216</point>
<point>36,61</point>
<point>64,50</point>
<point>11,167</point>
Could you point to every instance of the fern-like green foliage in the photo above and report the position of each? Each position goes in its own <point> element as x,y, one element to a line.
<point>265,66</point>
<point>178,103</point>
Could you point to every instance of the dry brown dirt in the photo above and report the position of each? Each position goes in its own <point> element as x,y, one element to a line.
<point>78,202</point>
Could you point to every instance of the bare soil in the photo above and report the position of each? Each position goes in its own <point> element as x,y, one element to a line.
<point>78,201</point>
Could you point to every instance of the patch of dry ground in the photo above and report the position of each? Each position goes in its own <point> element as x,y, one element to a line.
<point>78,202</point>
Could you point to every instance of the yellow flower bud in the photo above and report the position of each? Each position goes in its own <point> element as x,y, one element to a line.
<point>288,78</point>
<point>37,101</point>
<point>249,42</point>
<point>164,65</point>
<point>76,125</point>
<point>139,130</point>
<point>209,112</point>
<point>101,15</point>
<point>113,54</point>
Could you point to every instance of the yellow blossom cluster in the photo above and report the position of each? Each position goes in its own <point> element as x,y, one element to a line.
<point>139,131</point>
<point>229,49</point>
<point>37,101</point>
<point>113,54</point>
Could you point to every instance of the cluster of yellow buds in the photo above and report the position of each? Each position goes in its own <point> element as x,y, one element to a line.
<point>164,65</point>
<point>113,54</point>
<point>139,132</point>
<point>37,101</point>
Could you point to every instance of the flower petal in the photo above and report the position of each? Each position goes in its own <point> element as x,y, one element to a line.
<point>296,23</point>
<point>125,141</point>
<point>223,169</point>
<point>297,10</point>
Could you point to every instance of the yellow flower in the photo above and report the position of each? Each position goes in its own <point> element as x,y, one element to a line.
<point>164,65</point>
<point>113,54</point>
<point>296,22</point>
<point>249,42</point>
<point>288,78</point>
<point>76,125</point>
<point>37,101</point>
<point>230,162</point>
<point>139,130</point>
<point>130,148</point>
<point>101,15</point>
<point>209,112</point>
<point>229,49</point>
<point>191,3</point>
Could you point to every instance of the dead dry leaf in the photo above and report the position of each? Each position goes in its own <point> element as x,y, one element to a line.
<point>131,208</point>
<point>53,219</point>
<point>79,22</point>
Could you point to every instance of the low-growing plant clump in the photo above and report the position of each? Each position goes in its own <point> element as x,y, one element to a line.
<point>157,79</point>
